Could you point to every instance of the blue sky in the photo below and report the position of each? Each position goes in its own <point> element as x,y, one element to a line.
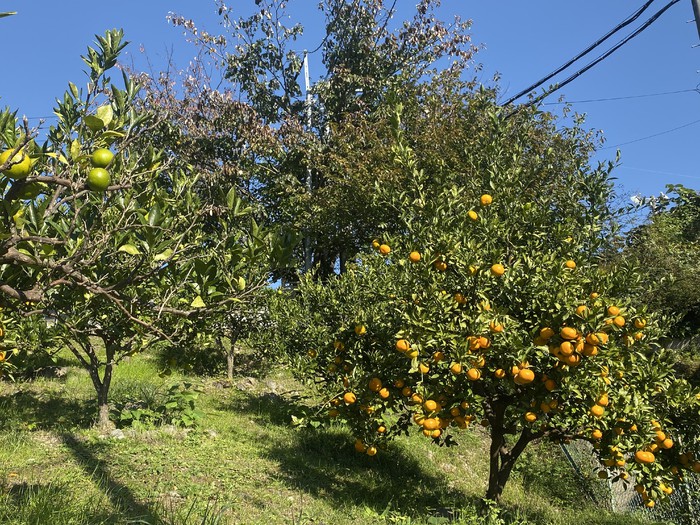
<point>523,42</point>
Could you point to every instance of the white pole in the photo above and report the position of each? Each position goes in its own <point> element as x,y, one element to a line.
<point>308,255</point>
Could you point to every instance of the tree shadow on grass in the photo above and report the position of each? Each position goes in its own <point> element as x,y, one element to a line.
<point>323,463</point>
<point>49,503</point>
<point>119,494</point>
<point>44,411</point>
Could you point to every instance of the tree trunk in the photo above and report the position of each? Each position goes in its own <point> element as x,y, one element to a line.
<point>102,387</point>
<point>230,357</point>
<point>501,458</point>
<point>103,421</point>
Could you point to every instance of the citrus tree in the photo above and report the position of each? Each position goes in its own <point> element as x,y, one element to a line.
<point>488,302</point>
<point>103,236</point>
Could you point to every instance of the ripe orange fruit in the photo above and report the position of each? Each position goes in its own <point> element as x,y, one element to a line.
<point>640,323</point>
<point>603,400</point>
<point>384,249</point>
<point>524,376</point>
<point>384,393</point>
<point>406,391</point>
<point>613,311</point>
<point>572,360</point>
<point>423,368</point>
<point>667,443</point>
<point>642,456</point>
<point>456,368</point>
<point>473,215</point>
<point>566,348</point>
<point>349,398</point>
<point>495,327</point>
<point>546,333</point>
<point>372,451</point>
<point>570,264</point>
<point>375,384</point>
<point>530,417</point>
<point>486,199</point>
<point>484,342</point>
<point>438,356</point>
<point>360,446</point>
<point>498,270</point>
<point>402,345</point>
<point>589,350</point>
<point>582,311</point>
<point>440,266</point>
<point>597,411</point>
<point>597,434</point>
<point>459,298</point>
<point>569,333</point>
<point>360,329</point>
<point>414,257</point>
<point>430,405</point>
<point>375,244</point>
<point>619,321</point>
<point>430,423</point>
<point>399,383</point>
<point>499,373</point>
<point>473,374</point>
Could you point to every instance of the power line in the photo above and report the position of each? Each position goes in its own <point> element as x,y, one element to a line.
<point>659,172</point>
<point>583,53</point>
<point>602,57</point>
<point>652,136</point>
<point>695,90</point>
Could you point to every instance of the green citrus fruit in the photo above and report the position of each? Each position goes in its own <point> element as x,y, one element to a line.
<point>240,284</point>
<point>101,158</point>
<point>22,166</point>
<point>98,179</point>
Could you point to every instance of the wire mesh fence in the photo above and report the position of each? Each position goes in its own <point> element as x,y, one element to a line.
<point>682,507</point>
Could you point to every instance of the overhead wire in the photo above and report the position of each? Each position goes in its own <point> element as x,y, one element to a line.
<point>631,18</point>
<point>629,97</point>
<point>652,136</point>
<point>602,57</point>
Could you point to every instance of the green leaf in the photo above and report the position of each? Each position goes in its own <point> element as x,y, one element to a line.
<point>197,303</point>
<point>94,123</point>
<point>130,249</point>
<point>105,114</point>
<point>164,255</point>
<point>75,149</point>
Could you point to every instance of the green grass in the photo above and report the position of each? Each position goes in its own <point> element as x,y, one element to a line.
<point>246,465</point>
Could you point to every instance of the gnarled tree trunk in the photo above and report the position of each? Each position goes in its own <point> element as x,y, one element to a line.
<point>502,458</point>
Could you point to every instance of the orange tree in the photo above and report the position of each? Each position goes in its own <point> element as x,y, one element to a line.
<point>489,302</point>
<point>105,238</point>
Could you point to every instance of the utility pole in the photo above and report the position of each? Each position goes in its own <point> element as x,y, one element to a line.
<point>308,252</point>
<point>696,11</point>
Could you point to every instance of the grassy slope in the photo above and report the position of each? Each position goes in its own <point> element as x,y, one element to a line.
<point>247,465</point>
